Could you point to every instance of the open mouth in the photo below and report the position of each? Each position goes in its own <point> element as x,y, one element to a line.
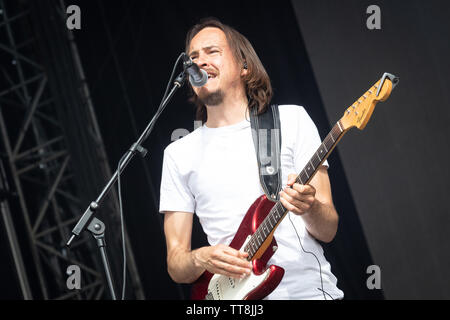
<point>211,75</point>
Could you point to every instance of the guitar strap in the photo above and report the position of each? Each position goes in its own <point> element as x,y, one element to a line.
<point>266,133</point>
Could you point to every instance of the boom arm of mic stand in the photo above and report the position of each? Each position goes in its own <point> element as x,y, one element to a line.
<point>136,147</point>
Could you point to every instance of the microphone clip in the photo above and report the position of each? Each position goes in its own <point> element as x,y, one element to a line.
<point>180,79</point>
<point>197,76</point>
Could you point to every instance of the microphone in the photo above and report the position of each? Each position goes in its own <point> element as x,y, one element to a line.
<point>197,77</point>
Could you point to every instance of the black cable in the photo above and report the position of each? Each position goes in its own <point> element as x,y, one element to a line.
<point>122,227</point>
<point>158,112</point>
<point>320,266</point>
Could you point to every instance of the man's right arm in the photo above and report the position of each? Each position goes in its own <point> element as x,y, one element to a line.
<point>185,265</point>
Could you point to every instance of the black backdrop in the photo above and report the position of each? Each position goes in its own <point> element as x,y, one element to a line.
<point>396,167</point>
<point>128,49</point>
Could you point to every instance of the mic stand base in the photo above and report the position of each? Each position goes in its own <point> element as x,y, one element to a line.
<point>97,229</point>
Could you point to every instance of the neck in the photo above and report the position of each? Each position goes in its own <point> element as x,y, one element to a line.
<point>231,111</point>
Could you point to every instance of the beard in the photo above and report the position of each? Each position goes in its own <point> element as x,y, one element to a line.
<point>211,98</point>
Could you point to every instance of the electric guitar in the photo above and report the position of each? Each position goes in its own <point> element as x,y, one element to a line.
<point>255,234</point>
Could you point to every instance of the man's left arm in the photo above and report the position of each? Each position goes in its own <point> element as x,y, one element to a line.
<point>314,203</point>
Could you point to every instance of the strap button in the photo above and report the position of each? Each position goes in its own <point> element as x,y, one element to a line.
<point>270,169</point>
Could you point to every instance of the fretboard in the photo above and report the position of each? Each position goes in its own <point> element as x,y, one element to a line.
<point>278,211</point>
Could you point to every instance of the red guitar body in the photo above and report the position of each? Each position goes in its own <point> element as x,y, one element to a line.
<point>253,218</point>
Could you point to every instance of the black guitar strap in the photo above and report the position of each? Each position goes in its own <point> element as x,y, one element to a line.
<point>266,132</point>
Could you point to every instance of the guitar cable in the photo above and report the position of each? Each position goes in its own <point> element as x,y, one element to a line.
<point>320,266</point>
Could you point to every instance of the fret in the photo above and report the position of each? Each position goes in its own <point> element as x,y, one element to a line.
<point>336,132</point>
<point>265,230</point>
<point>329,141</point>
<point>275,217</point>
<point>317,155</point>
<point>322,152</point>
<point>268,230</point>
<point>307,175</point>
<point>258,238</point>
<point>334,135</point>
<point>270,221</point>
<point>254,244</point>
<point>312,165</point>
<point>276,214</point>
<point>339,127</point>
<point>316,163</point>
<point>249,250</point>
<point>299,178</point>
<point>280,209</point>
<point>252,251</point>
<point>309,169</point>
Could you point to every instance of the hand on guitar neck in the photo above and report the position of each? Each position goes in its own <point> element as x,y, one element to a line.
<point>296,197</point>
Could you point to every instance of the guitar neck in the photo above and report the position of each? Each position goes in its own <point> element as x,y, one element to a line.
<point>278,212</point>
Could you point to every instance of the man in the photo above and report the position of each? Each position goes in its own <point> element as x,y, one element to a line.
<point>213,172</point>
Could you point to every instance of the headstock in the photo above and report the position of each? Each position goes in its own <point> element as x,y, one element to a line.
<point>359,113</point>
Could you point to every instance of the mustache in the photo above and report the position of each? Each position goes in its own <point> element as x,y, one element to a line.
<point>211,71</point>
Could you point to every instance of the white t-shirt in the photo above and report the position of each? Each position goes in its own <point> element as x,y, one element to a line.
<point>214,173</point>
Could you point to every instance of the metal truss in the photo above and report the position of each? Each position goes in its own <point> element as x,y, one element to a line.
<point>39,168</point>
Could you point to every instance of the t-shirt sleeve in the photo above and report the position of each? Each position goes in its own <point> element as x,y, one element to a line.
<point>175,194</point>
<point>308,140</point>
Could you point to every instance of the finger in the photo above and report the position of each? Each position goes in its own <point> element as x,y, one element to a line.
<point>291,178</point>
<point>304,188</point>
<point>299,204</point>
<point>287,205</point>
<point>243,254</point>
<point>292,205</point>
<point>241,257</point>
<point>239,262</point>
<point>296,195</point>
<point>230,269</point>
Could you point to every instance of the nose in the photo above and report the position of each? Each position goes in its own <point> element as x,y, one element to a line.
<point>201,61</point>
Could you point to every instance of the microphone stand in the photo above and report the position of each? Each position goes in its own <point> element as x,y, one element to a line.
<point>96,226</point>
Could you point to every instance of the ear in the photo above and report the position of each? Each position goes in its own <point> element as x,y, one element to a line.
<point>244,69</point>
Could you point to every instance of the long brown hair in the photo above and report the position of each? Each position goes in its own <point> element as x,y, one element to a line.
<point>257,83</point>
